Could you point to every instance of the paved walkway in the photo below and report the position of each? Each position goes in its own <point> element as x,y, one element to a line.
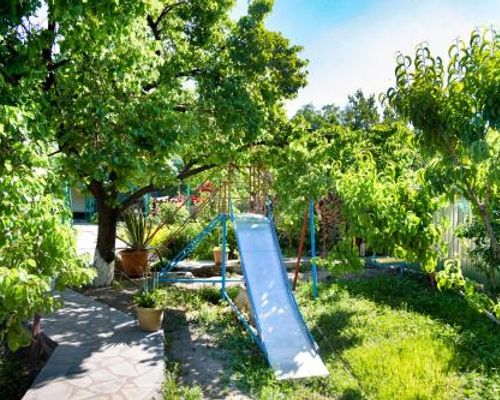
<point>101,354</point>
<point>86,238</point>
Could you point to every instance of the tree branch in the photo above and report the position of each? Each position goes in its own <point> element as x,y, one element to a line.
<point>136,196</point>
<point>54,66</point>
<point>12,79</point>
<point>187,166</point>
<point>186,173</point>
<point>50,79</point>
<point>96,189</point>
<point>154,24</point>
<point>191,73</point>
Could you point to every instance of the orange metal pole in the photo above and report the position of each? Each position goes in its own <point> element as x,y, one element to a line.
<point>301,247</point>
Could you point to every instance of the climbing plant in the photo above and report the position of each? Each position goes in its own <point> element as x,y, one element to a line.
<point>378,175</point>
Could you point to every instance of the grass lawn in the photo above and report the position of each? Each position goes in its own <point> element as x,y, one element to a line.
<point>383,337</point>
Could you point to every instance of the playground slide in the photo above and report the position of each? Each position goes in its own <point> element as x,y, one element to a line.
<point>289,346</point>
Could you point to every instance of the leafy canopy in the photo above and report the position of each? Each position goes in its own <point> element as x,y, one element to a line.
<point>145,83</point>
<point>377,172</point>
<point>455,110</point>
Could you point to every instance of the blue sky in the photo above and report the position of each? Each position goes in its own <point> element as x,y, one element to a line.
<point>352,44</point>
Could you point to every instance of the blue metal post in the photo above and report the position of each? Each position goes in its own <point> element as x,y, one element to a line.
<point>68,199</point>
<point>313,249</point>
<point>147,200</point>
<point>188,200</point>
<point>224,245</point>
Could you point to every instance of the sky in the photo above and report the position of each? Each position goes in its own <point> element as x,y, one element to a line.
<point>352,44</point>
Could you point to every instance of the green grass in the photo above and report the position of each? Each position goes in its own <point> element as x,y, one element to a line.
<point>174,390</point>
<point>381,338</point>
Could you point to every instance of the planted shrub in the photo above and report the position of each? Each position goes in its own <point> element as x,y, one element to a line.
<point>170,213</point>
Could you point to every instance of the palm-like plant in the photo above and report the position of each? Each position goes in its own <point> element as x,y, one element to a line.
<point>138,230</point>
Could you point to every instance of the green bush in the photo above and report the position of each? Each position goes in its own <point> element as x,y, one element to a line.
<point>482,251</point>
<point>170,240</point>
<point>170,214</point>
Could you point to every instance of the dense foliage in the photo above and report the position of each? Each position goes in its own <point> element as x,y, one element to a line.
<point>375,170</point>
<point>37,250</point>
<point>139,94</point>
<point>455,111</point>
<point>177,227</point>
<point>481,250</point>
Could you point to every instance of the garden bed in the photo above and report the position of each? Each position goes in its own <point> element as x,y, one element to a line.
<point>18,369</point>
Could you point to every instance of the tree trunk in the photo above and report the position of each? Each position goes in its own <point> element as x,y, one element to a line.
<point>36,348</point>
<point>104,258</point>
<point>485,216</point>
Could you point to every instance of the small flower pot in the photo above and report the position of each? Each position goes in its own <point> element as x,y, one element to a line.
<point>217,255</point>
<point>150,319</point>
<point>134,262</point>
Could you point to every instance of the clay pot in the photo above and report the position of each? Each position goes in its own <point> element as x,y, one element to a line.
<point>150,319</point>
<point>134,262</point>
<point>217,255</point>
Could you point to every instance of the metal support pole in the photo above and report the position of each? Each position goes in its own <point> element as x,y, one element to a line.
<point>188,198</point>
<point>301,247</point>
<point>147,200</point>
<point>224,245</point>
<point>313,249</point>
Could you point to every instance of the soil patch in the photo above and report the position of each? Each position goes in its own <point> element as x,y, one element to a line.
<point>200,361</point>
<point>119,296</point>
<point>19,369</point>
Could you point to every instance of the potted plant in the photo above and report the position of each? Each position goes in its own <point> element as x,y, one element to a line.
<point>150,307</point>
<point>138,234</point>
<point>217,251</point>
<point>217,255</point>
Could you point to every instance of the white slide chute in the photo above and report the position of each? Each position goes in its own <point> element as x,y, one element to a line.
<point>285,338</point>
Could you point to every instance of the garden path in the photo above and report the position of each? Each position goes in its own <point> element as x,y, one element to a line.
<point>101,354</point>
<point>86,238</point>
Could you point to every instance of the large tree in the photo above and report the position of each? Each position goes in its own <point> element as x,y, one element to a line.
<point>360,112</point>
<point>127,87</point>
<point>37,249</point>
<point>456,113</point>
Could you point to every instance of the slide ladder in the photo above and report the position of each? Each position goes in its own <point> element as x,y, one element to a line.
<point>289,346</point>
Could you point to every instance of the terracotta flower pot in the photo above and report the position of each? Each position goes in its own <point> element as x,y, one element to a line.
<point>217,255</point>
<point>134,262</point>
<point>150,319</point>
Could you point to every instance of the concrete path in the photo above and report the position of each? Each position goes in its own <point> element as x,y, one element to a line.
<point>101,354</point>
<point>86,238</point>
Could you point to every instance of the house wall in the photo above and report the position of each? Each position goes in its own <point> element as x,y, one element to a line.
<point>77,201</point>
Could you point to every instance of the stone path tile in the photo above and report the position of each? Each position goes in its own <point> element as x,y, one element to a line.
<point>101,354</point>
